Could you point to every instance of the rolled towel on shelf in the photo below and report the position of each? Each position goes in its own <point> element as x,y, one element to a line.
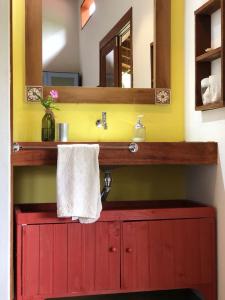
<point>215,88</point>
<point>205,91</point>
<point>211,89</point>
<point>78,182</point>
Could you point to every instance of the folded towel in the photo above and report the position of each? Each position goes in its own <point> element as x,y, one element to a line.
<point>211,89</point>
<point>215,88</point>
<point>206,97</point>
<point>78,182</point>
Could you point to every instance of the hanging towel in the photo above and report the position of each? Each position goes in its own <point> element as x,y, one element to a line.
<point>78,182</point>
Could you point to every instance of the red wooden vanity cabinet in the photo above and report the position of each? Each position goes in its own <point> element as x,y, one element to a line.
<point>135,246</point>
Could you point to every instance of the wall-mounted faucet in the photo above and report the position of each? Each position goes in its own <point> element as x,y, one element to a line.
<point>102,122</point>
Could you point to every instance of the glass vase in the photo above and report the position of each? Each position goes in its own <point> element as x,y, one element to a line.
<point>48,126</point>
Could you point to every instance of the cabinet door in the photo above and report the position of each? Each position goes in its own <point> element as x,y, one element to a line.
<point>30,260</point>
<point>135,256</point>
<point>182,253</point>
<point>167,254</point>
<point>107,268</point>
<point>94,256</point>
<point>60,259</point>
<point>194,252</point>
<point>44,260</point>
<point>148,255</point>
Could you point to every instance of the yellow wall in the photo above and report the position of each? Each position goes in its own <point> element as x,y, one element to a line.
<point>132,183</point>
<point>163,123</point>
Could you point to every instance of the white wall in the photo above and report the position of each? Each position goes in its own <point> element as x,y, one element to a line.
<point>5,151</point>
<point>60,36</point>
<point>107,14</point>
<point>205,184</point>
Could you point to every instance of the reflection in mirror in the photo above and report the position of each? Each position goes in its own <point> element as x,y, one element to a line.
<point>118,40</point>
<point>87,9</point>
<point>72,52</point>
<point>110,80</point>
<point>126,58</point>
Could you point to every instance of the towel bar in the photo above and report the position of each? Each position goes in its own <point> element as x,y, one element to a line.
<point>132,147</point>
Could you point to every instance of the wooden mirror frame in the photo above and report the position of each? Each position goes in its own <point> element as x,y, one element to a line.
<point>162,43</point>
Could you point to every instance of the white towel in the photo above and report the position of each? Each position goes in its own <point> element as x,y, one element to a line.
<point>211,89</point>
<point>215,88</point>
<point>78,182</point>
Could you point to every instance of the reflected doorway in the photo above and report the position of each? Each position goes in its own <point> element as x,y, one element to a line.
<point>116,63</point>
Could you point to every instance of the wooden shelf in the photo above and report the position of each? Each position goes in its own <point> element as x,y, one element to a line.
<point>153,153</point>
<point>203,60</point>
<point>209,56</point>
<point>210,106</point>
<point>209,7</point>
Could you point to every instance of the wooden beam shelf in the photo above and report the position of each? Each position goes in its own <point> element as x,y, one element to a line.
<point>210,55</point>
<point>209,106</point>
<point>152,153</point>
<point>209,7</point>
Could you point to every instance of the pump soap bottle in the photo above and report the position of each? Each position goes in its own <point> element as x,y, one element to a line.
<point>139,130</point>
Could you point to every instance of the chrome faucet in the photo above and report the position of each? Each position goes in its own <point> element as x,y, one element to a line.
<point>102,122</point>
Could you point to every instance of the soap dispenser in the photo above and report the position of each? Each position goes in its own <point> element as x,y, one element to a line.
<point>139,130</point>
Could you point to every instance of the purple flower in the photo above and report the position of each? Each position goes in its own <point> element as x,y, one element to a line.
<point>54,94</point>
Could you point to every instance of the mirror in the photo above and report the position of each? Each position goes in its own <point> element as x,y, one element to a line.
<point>73,44</point>
<point>72,53</point>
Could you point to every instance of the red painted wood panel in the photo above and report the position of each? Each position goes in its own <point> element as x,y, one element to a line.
<point>208,250</point>
<point>120,211</point>
<point>178,253</point>
<point>81,257</point>
<point>193,252</point>
<point>75,256</point>
<point>107,269</point>
<point>30,261</point>
<point>207,291</point>
<point>142,255</point>
<point>19,253</point>
<point>92,262</point>
<point>66,259</point>
<point>162,268</point>
<point>46,259</point>
<point>88,257</point>
<point>135,269</point>
<point>128,270</point>
<point>60,259</point>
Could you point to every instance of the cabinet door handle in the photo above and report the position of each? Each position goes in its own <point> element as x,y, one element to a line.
<point>129,250</point>
<point>113,249</point>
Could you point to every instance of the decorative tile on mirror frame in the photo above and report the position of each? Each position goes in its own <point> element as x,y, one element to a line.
<point>33,93</point>
<point>162,96</point>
